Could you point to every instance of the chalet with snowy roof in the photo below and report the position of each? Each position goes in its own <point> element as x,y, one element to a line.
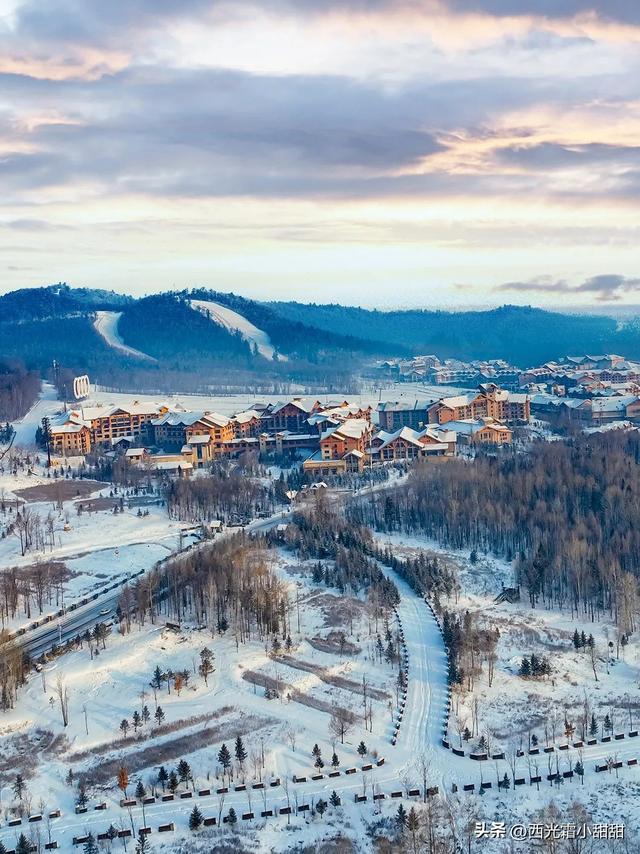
<point>174,429</point>
<point>113,422</point>
<point>615,408</point>
<point>289,415</point>
<point>407,444</point>
<point>247,423</point>
<point>483,431</point>
<point>333,415</point>
<point>392,415</point>
<point>343,448</point>
<point>489,401</point>
<point>71,435</point>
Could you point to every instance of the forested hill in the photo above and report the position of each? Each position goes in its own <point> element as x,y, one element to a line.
<point>523,335</point>
<point>298,338</point>
<point>56,301</point>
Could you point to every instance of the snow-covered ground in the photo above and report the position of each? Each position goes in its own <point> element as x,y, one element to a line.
<point>106,325</point>
<point>113,684</point>
<point>235,322</point>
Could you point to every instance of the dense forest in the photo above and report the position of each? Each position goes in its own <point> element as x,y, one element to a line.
<point>227,495</point>
<point>523,335</point>
<point>567,513</point>
<point>227,585</point>
<point>19,390</point>
<point>345,552</point>
<point>167,327</point>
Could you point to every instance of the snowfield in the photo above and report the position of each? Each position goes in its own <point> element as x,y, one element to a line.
<point>106,325</point>
<point>235,322</point>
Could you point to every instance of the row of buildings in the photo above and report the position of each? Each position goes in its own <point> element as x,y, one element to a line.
<point>430,369</point>
<point>331,438</point>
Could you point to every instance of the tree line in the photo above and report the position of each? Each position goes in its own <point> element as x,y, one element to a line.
<point>567,512</point>
<point>19,389</point>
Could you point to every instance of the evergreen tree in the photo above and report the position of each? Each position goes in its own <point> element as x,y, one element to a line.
<point>288,644</point>
<point>505,783</point>
<point>583,639</point>
<point>316,751</point>
<point>124,727</point>
<point>362,749</point>
<point>173,782</point>
<point>163,777</point>
<point>23,846</point>
<point>401,818</point>
<point>141,792</point>
<point>206,667</point>
<point>525,668</point>
<point>159,715</point>
<point>90,846</point>
<point>319,763</point>
<point>82,796</point>
<point>593,726</point>
<point>146,715</point>
<point>466,735</point>
<point>136,720</point>
<point>579,769</point>
<point>232,818</point>
<point>321,806</point>
<point>534,740</point>
<point>240,752</point>
<point>157,679</point>
<point>576,639</point>
<point>184,771</point>
<point>19,786</point>
<point>143,845</point>
<point>334,800</point>
<point>608,726</point>
<point>195,819</point>
<point>335,762</point>
<point>224,757</point>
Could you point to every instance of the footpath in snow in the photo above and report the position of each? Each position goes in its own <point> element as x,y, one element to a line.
<point>420,734</point>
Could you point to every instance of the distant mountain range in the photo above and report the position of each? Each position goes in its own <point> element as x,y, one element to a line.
<point>212,336</point>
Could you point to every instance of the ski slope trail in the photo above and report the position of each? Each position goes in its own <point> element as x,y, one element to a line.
<point>235,322</point>
<point>425,712</point>
<point>106,325</point>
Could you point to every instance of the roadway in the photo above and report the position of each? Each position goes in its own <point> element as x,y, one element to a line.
<point>56,629</point>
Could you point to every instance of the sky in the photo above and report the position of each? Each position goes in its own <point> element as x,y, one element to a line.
<point>371,152</point>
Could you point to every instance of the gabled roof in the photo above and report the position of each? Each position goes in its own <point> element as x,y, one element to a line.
<point>352,428</point>
<point>304,404</point>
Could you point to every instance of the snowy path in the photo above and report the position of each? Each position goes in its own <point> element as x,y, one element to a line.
<point>421,728</point>
<point>106,325</point>
<point>235,322</point>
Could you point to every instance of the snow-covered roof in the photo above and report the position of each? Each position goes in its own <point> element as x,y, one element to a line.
<point>405,405</point>
<point>245,417</point>
<point>613,404</point>
<point>305,404</point>
<point>352,428</point>
<point>135,452</point>
<point>199,439</point>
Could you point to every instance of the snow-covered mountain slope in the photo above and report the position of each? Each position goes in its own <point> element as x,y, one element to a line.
<point>235,322</point>
<point>106,325</point>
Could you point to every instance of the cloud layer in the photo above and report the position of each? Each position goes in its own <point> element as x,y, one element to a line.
<point>453,127</point>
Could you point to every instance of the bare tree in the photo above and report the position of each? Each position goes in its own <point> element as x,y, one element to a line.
<point>63,696</point>
<point>341,722</point>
